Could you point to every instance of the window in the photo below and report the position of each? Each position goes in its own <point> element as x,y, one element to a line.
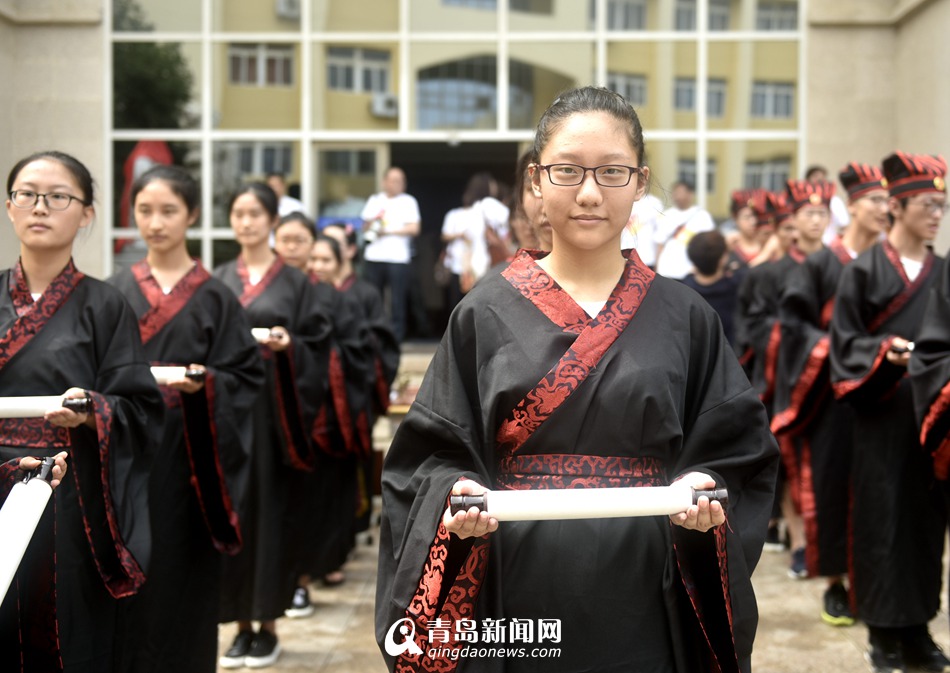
<point>684,94</point>
<point>260,158</point>
<point>771,174</point>
<point>358,70</point>
<point>716,98</point>
<point>776,16</point>
<point>350,162</point>
<point>718,14</point>
<point>458,94</point>
<point>623,14</point>
<point>773,100</point>
<point>532,6</point>
<point>685,15</point>
<point>261,64</point>
<point>474,4</point>
<point>631,87</point>
<point>686,172</point>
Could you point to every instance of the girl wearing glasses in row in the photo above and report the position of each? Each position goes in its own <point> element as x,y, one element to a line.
<point>62,332</point>
<point>580,369</point>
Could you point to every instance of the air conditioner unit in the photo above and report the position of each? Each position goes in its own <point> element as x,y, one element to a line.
<point>288,9</point>
<point>385,105</point>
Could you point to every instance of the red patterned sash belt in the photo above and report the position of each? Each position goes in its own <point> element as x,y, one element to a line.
<point>33,433</point>
<point>561,470</point>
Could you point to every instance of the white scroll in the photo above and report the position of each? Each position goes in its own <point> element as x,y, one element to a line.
<point>18,520</point>
<point>165,374</point>
<point>585,503</point>
<point>260,334</point>
<point>37,406</point>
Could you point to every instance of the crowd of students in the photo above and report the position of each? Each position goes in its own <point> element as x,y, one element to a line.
<point>844,338</point>
<point>211,493</point>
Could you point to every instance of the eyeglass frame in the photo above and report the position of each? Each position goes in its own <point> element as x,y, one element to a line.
<point>933,207</point>
<point>36,199</point>
<point>638,170</point>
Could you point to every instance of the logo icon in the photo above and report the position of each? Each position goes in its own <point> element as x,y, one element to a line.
<point>407,630</point>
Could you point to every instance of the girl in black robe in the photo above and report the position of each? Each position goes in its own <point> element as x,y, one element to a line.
<point>62,331</point>
<point>199,476</point>
<point>325,507</point>
<point>258,582</point>
<point>579,369</point>
<point>386,355</point>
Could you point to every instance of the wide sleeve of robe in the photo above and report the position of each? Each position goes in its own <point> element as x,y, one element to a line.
<point>929,370</point>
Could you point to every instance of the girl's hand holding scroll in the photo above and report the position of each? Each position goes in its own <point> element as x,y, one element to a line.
<point>67,418</point>
<point>704,515</point>
<point>472,523</point>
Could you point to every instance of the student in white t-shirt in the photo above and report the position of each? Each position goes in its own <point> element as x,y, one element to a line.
<point>286,204</point>
<point>680,222</point>
<point>390,221</point>
<point>640,232</point>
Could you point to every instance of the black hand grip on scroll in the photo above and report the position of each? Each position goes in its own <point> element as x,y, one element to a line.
<point>462,503</point>
<point>81,405</point>
<point>720,494</point>
<point>196,375</point>
<point>44,471</point>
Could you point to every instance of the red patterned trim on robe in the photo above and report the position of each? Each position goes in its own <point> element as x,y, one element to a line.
<point>941,456</point>
<point>32,432</point>
<point>595,336</point>
<point>683,562</point>
<point>797,254</point>
<point>300,457</point>
<point>459,602</point>
<point>747,356</point>
<point>164,307</point>
<point>33,316</point>
<point>204,461</point>
<point>809,509</point>
<point>910,288</point>
<point>252,292</point>
<point>746,256</point>
<point>341,405</point>
<point>364,434</point>
<point>843,388</point>
<point>807,380</point>
<point>559,470</point>
<point>838,247</point>
<point>771,361</point>
<point>119,570</point>
<point>789,455</point>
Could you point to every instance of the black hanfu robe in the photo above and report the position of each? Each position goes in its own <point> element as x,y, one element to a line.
<point>930,376</point>
<point>258,583</point>
<point>92,544</point>
<point>327,499</point>
<point>898,515</point>
<point>386,355</point>
<point>526,391</point>
<point>815,426</point>
<point>200,473</point>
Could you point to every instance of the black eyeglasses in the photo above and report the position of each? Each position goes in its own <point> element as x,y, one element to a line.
<point>25,198</point>
<point>609,175</point>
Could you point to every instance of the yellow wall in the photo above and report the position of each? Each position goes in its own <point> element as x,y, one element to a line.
<point>243,106</point>
<point>356,16</point>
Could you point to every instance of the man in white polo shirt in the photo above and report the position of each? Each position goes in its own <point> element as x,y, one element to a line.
<point>390,221</point>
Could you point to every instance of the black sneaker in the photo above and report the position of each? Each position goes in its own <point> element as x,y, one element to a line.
<point>797,569</point>
<point>923,654</point>
<point>885,655</point>
<point>234,657</point>
<point>265,650</point>
<point>836,609</point>
<point>300,606</point>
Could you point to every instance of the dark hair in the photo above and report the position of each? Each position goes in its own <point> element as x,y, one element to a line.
<point>478,187</point>
<point>589,99</point>
<point>79,171</point>
<point>348,230</point>
<point>298,217</point>
<point>522,179</point>
<point>816,168</point>
<point>260,191</point>
<point>275,174</point>
<point>705,251</point>
<point>334,247</point>
<point>686,185</point>
<point>178,180</point>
